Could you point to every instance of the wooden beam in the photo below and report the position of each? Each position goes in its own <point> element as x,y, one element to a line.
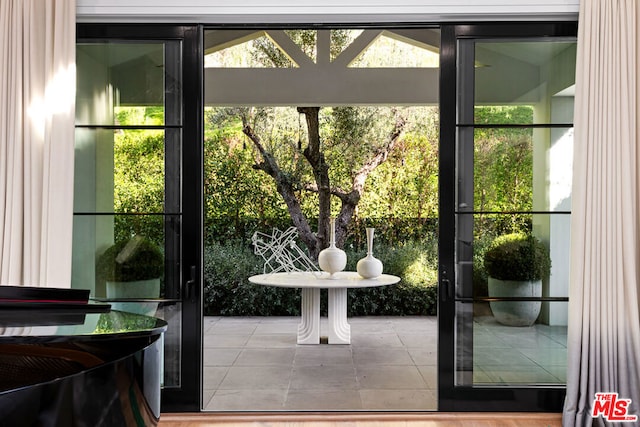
<point>356,47</point>
<point>318,87</point>
<point>290,48</point>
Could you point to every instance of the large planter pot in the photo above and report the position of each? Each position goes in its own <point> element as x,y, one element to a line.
<point>515,313</point>
<point>139,289</point>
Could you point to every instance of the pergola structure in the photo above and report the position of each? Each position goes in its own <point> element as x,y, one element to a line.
<point>325,81</point>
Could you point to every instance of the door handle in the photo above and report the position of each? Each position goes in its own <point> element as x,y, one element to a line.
<point>190,285</point>
<point>446,290</point>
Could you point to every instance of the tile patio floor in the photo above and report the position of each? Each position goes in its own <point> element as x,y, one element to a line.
<point>254,363</point>
<point>508,355</point>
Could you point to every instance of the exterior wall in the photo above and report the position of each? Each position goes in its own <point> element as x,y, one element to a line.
<point>560,177</point>
<point>326,11</point>
<point>94,162</point>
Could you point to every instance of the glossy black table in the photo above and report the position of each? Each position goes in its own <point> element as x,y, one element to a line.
<point>79,367</point>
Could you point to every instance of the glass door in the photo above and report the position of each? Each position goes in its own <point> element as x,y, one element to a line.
<point>136,203</point>
<point>506,191</point>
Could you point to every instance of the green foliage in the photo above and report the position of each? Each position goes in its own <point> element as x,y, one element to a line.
<point>120,321</point>
<point>400,198</point>
<point>228,291</point>
<point>132,116</point>
<point>139,171</point>
<point>237,197</point>
<point>404,187</point>
<point>392,231</point>
<point>517,256</point>
<point>352,135</point>
<point>503,181</point>
<point>480,279</point>
<point>138,179</point>
<point>503,168</point>
<point>416,294</point>
<point>265,53</point>
<point>398,300</point>
<point>129,260</point>
<point>504,114</point>
<point>126,226</point>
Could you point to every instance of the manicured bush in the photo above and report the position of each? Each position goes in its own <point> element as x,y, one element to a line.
<point>517,256</point>
<point>128,260</point>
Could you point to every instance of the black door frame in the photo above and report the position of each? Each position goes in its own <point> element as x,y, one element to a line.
<point>189,396</point>
<point>452,397</point>
<point>184,271</point>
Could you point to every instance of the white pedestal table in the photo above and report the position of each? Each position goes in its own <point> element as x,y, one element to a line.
<point>310,284</point>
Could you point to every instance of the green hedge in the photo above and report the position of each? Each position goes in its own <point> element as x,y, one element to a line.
<point>389,230</point>
<point>229,293</point>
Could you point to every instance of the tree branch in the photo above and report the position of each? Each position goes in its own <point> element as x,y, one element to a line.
<point>284,186</point>
<point>380,156</point>
<point>351,199</point>
<point>268,164</point>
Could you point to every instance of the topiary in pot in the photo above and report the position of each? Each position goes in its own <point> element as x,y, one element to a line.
<point>515,265</point>
<point>131,269</point>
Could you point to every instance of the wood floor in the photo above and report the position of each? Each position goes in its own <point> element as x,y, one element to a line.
<point>436,419</point>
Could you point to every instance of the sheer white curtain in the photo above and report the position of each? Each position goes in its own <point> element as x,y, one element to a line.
<point>37,103</point>
<point>604,325</point>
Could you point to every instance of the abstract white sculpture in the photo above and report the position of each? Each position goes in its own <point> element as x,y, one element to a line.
<point>281,252</point>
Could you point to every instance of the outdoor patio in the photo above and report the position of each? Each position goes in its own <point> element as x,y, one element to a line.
<point>254,363</point>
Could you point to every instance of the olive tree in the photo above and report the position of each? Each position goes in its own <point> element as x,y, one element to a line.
<point>354,145</point>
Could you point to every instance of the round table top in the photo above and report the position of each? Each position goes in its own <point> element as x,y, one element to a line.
<point>320,279</point>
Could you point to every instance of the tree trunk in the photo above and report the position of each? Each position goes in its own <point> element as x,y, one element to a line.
<point>286,190</point>
<point>314,155</point>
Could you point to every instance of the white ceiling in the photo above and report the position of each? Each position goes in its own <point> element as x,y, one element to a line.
<point>324,12</point>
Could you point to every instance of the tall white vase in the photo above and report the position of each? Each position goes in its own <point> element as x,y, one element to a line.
<point>332,259</point>
<point>369,267</point>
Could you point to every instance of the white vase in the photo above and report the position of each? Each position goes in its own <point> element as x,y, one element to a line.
<point>369,267</point>
<point>332,259</point>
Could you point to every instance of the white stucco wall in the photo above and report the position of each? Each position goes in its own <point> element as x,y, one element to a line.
<point>322,11</point>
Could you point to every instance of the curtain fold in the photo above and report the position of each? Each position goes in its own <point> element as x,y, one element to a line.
<point>37,109</point>
<point>604,323</point>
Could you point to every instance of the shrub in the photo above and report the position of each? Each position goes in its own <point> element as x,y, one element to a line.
<point>480,246</point>
<point>416,294</point>
<point>129,260</point>
<point>228,291</point>
<point>517,256</point>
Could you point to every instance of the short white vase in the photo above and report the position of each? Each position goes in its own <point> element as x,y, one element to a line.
<point>332,259</point>
<point>369,267</point>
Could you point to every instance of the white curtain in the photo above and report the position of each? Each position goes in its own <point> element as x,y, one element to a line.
<point>37,103</point>
<point>604,325</point>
